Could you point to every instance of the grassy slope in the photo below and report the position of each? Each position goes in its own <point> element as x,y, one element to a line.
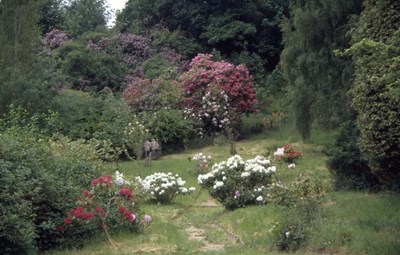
<point>349,222</point>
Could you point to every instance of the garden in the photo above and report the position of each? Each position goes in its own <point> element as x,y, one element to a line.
<point>200,127</point>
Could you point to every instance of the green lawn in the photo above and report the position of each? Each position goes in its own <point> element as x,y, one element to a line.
<point>348,222</point>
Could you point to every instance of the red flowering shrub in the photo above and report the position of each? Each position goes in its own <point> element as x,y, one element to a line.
<point>217,92</point>
<point>109,204</point>
<point>287,153</point>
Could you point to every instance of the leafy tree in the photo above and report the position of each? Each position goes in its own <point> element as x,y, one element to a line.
<point>51,15</point>
<point>90,70</point>
<point>84,16</point>
<point>375,52</point>
<point>19,34</point>
<point>227,26</point>
<point>24,75</point>
<point>319,79</point>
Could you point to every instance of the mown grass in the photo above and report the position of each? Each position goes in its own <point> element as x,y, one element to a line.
<point>347,222</point>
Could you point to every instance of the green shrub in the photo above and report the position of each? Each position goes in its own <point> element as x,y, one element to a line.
<point>348,167</point>
<point>170,127</point>
<point>40,180</point>
<point>302,198</point>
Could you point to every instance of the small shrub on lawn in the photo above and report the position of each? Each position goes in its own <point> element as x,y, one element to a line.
<point>287,154</point>
<point>164,187</point>
<point>236,183</point>
<point>302,198</point>
<point>111,203</point>
<point>203,162</point>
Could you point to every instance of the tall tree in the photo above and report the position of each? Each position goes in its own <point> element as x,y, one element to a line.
<point>21,82</point>
<point>376,89</point>
<point>319,79</point>
<point>19,35</point>
<point>51,12</point>
<point>250,28</point>
<point>85,15</point>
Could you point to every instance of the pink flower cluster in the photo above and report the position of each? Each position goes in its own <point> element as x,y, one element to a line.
<point>216,91</point>
<point>55,38</point>
<point>127,214</point>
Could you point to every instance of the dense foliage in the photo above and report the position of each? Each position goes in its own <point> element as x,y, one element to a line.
<point>347,165</point>
<point>40,178</point>
<point>237,29</point>
<point>375,51</point>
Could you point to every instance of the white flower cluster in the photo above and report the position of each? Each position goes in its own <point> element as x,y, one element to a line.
<point>257,165</point>
<point>214,107</point>
<point>119,179</point>
<point>201,157</point>
<point>164,186</point>
<point>279,152</point>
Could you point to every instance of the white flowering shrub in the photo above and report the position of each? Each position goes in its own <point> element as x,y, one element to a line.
<point>237,183</point>
<point>203,161</point>
<point>164,187</point>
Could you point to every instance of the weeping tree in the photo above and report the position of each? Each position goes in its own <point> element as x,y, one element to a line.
<point>320,79</point>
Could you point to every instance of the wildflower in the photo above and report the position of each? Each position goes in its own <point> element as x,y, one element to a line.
<point>291,166</point>
<point>259,198</point>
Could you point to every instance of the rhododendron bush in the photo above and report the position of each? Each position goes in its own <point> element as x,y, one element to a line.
<point>237,183</point>
<point>111,203</point>
<point>217,92</point>
<point>164,187</point>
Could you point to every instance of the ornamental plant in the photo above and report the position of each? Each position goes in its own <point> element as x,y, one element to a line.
<point>55,38</point>
<point>238,183</point>
<point>287,154</point>
<point>111,203</point>
<point>202,161</point>
<point>164,187</point>
<point>217,92</point>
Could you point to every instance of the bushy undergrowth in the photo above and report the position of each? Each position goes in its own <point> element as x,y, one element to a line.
<point>40,181</point>
<point>348,167</point>
<point>302,199</point>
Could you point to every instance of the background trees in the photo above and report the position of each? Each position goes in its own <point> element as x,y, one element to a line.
<point>240,30</point>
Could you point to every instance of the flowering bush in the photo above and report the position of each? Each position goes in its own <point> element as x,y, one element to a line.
<point>287,154</point>
<point>135,134</point>
<point>112,202</point>
<point>236,183</point>
<point>203,161</point>
<point>216,92</point>
<point>151,95</point>
<point>164,187</point>
<point>55,38</point>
